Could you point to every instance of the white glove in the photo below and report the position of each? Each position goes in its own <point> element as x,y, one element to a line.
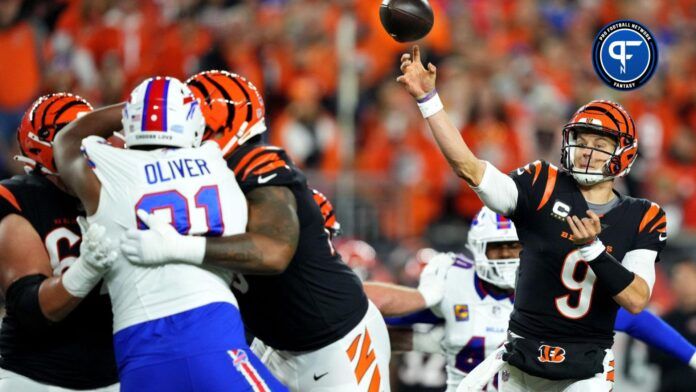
<point>97,254</point>
<point>432,279</point>
<point>479,377</point>
<point>429,342</point>
<point>161,243</point>
<point>692,362</point>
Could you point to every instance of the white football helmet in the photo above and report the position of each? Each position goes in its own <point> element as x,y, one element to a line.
<point>162,111</point>
<point>489,227</point>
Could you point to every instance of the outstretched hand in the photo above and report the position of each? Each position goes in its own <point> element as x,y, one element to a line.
<point>417,80</point>
<point>584,230</point>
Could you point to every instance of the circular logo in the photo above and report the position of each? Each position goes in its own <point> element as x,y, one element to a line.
<point>624,54</point>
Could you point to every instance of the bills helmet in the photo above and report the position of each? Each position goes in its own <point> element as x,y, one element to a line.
<point>162,111</point>
<point>232,106</point>
<point>605,118</point>
<point>40,125</point>
<point>489,227</point>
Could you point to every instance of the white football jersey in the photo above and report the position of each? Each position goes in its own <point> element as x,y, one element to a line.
<point>195,190</point>
<point>476,321</point>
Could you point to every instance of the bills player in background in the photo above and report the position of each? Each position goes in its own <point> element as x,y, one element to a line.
<point>53,337</point>
<point>327,321</point>
<point>176,326</point>
<point>477,292</point>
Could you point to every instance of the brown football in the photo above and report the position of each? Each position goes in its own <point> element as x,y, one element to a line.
<point>406,20</point>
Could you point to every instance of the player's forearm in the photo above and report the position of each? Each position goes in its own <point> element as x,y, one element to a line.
<point>249,253</point>
<point>101,122</point>
<point>55,302</point>
<point>449,140</point>
<point>635,297</point>
<point>393,300</point>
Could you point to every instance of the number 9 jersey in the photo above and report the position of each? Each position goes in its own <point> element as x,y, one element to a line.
<point>192,186</point>
<point>558,297</point>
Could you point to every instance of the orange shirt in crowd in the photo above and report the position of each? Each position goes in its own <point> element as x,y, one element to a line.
<point>20,74</point>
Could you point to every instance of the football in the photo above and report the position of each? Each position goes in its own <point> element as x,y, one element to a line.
<point>406,20</point>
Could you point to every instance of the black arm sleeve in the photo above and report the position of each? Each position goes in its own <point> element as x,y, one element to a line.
<point>611,274</point>
<point>22,302</point>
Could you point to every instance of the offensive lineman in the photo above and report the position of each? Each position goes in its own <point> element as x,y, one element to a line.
<point>575,270</point>
<point>49,323</point>
<point>177,326</point>
<point>332,337</point>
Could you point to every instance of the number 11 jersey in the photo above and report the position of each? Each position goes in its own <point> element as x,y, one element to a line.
<point>199,194</point>
<point>558,297</point>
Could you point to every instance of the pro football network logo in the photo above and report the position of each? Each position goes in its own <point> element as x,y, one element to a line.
<point>624,54</point>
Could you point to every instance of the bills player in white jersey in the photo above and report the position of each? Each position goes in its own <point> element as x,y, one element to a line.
<point>176,326</point>
<point>474,297</point>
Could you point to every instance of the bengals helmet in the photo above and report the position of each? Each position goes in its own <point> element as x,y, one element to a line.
<point>232,106</point>
<point>605,118</point>
<point>327,210</point>
<point>39,126</point>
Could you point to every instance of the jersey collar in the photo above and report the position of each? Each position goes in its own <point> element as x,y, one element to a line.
<point>482,292</point>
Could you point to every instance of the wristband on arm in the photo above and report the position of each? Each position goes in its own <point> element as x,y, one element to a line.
<point>430,104</point>
<point>612,275</point>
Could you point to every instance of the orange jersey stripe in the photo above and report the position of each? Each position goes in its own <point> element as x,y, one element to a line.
<point>259,161</point>
<point>375,381</point>
<point>661,221</point>
<point>366,358</point>
<point>537,170</point>
<point>270,167</point>
<point>247,158</point>
<point>353,348</point>
<point>649,215</point>
<point>550,184</point>
<point>7,195</point>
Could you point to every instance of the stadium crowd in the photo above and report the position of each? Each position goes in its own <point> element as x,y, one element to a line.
<point>511,73</point>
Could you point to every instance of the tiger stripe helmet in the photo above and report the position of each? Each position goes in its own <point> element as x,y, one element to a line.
<point>327,211</point>
<point>40,125</point>
<point>232,106</point>
<point>605,118</point>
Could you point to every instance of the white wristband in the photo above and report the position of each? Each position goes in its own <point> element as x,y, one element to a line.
<point>593,250</point>
<point>430,104</point>
<point>692,362</point>
<point>81,278</point>
<point>190,249</point>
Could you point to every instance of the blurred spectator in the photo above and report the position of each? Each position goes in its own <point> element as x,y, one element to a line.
<point>20,70</point>
<point>307,131</point>
<point>361,257</point>
<point>676,376</point>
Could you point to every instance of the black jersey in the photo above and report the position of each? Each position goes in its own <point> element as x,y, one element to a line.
<point>76,352</point>
<point>558,296</point>
<point>317,299</point>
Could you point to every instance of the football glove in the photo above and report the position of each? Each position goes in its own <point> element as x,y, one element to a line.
<point>161,243</point>
<point>97,254</point>
<point>432,279</point>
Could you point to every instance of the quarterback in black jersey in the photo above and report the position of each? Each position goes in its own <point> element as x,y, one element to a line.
<point>587,248</point>
<point>54,334</point>
<point>295,294</point>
